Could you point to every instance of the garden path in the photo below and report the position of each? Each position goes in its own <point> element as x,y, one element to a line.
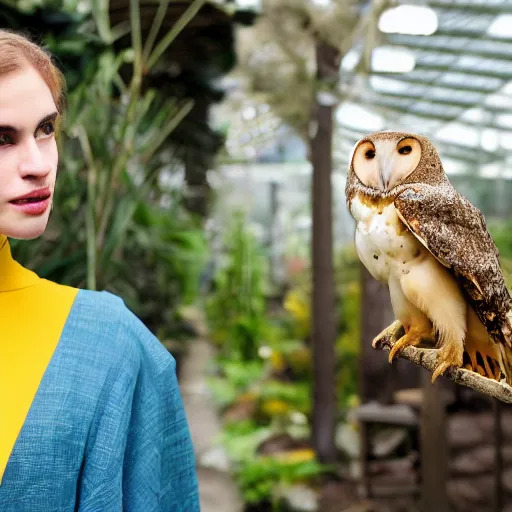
<point>218,492</point>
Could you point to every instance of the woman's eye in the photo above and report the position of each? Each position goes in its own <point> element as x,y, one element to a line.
<point>5,139</point>
<point>47,129</point>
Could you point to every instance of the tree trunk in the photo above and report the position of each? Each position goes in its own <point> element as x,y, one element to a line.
<point>197,160</point>
<point>323,301</point>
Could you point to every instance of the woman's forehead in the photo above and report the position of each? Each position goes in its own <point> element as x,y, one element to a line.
<point>24,97</point>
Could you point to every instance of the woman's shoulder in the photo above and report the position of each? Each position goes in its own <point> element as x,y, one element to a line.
<point>101,306</point>
<point>105,320</point>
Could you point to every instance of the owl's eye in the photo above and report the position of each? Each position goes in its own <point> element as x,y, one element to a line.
<point>405,150</point>
<point>370,153</point>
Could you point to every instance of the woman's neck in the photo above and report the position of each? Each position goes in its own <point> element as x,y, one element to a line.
<point>12,275</point>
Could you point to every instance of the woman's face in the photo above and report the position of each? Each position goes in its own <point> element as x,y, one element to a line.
<point>28,153</point>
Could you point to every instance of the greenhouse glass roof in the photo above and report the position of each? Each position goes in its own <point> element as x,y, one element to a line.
<point>454,86</point>
<point>459,91</point>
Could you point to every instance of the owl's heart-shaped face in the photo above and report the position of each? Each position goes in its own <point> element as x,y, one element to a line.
<point>383,164</point>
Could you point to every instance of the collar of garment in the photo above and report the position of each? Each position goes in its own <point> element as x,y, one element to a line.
<point>12,275</point>
<point>33,313</point>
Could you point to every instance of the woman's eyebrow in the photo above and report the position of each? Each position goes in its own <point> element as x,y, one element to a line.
<point>13,129</point>
<point>49,117</point>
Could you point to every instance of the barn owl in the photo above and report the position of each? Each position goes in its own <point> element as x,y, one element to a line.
<point>415,232</point>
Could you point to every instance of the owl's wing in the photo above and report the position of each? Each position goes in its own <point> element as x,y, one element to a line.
<point>454,231</point>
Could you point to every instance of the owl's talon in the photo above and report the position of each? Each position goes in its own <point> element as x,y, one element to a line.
<point>440,369</point>
<point>391,331</point>
<point>412,338</point>
<point>449,355</point>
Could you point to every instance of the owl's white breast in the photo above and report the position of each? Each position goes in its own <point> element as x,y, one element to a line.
<point>384,245</point>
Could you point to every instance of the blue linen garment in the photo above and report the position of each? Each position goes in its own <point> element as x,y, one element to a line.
<point>106,431</point>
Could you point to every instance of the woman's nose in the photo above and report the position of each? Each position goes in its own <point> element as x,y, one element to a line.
<point>32,162</point>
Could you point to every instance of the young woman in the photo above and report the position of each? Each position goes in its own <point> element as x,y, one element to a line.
<point>91,417</point>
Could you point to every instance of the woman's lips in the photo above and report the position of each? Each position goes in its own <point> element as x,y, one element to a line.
<point>32,206</point>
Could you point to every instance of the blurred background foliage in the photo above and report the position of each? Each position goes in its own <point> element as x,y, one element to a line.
<point>261,378</point>
<point>122,219</point>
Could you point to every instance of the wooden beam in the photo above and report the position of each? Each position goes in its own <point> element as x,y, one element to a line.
<point>428,115</point>
<point>440,101</point>
<point>411,79</point>
<point>323,311</point>
<point>433,448</point>
<point>472,7</point>
<point>426,44</point>
<point>471,71</point>
<point>471,35</point>
<point>498,457</point>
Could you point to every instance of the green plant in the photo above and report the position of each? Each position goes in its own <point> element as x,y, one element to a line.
<point>349,330</point>
<point>236,377</point>
<point>260,478</point>
<point>115,225</point>
<point>348,295</point>
<point>241,440</point>
<point>296,395</point>
<point>236,308</point>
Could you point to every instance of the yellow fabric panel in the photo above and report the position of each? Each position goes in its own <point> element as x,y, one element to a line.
<point>33,313</point>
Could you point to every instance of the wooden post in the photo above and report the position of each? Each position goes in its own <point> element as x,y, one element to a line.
<point>323,298</point>
<point>366,481</point>
<point>498,457</point>
<point>434,448</point>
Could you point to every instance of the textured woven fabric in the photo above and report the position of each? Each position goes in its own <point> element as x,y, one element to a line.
<point>107,430</point>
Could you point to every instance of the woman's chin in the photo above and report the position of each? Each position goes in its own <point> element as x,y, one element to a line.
<point>25,232</point>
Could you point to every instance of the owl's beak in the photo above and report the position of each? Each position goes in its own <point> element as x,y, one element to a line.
<point>385,168</point>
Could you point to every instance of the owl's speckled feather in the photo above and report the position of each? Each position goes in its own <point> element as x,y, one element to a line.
<point>452,229</point>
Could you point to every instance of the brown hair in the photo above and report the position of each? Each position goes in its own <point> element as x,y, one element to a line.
<point>17,50</point>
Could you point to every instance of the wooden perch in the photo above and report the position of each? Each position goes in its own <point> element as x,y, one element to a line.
<point>427,357</point>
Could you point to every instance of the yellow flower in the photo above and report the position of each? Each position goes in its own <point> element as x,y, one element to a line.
<point>275,407</point>
<point>294,456</point>
<point>247,397</point>
<point>277,360</point>
<point>301,359</point>
<point>297,304</point>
